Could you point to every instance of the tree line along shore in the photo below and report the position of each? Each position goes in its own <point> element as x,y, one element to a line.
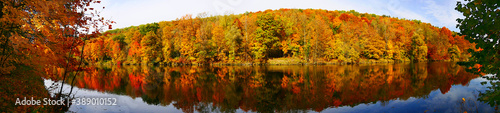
<point>284,36</point>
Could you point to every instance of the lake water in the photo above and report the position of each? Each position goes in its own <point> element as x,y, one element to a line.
<point>420,87</point>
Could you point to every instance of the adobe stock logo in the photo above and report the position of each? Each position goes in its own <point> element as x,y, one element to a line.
<point>225,6</point>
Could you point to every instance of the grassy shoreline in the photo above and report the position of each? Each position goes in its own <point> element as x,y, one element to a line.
<point>288,61</point>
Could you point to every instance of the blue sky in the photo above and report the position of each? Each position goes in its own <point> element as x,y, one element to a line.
<point>136,12</point>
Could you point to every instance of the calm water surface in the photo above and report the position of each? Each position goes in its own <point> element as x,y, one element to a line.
<point>420,87</point>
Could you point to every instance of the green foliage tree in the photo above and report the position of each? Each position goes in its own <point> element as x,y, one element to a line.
<point>267,35</point>
<point>148,44</point>
<point>203,44</point>
<point>481,26</point>
<point>454,52</point>
<point>143,29</point>
<point>233,40</point>
<point>419,49</point>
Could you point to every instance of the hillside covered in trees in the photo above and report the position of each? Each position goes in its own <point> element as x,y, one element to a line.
<point>304,35</point>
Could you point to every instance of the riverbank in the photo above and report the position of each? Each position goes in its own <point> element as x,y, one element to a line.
<point>297,61</point>
<point>289,61</point>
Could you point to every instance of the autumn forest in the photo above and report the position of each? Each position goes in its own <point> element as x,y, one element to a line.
<point>274,60</point>
<point>302,35</point>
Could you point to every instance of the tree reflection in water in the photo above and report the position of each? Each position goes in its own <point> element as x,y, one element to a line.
<point>274,88</point>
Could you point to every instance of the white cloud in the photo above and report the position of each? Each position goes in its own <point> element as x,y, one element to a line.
<point>131,12</point>
<point>444,12</point>
<point>393,8</point>
<point>405,13</point>
<point>128,13</point>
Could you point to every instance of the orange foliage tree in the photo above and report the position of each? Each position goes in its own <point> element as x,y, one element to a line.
<point>47,34</point>
<point>310,35</point>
